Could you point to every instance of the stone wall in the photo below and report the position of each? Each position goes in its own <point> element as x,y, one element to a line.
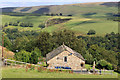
<point>72,61</point>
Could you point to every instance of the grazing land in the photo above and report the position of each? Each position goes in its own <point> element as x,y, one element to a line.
<point>78,24</point>
<point>8,72</point>
<point>85,16</point>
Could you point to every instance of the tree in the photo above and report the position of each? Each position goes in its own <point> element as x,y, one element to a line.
<point>44,43</point>
<point>104,64</point>
<point>6,24</point>
<point>34,57</point>
<point>69,15</point>
<point>42,25</point>
<point>61,14</point>
<point>23,56</point>
<point>109,66</point>
<point>30,24</point>
<point>89,58</point>
<point>37,50</point>
<point>10,23</point>
<point>7,42</point>
<point>15,24</point>
<point>91,32</point>
<point>94,50</point>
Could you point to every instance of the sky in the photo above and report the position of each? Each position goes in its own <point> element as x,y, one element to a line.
<point>27,3</point>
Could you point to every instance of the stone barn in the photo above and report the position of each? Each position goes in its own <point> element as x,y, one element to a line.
<point>64,57</point>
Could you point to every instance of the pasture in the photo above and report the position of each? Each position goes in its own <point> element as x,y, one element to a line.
<point>79,24</point>
<point>8,72</point>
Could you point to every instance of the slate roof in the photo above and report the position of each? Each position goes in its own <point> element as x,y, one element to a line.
<point>61,49</point>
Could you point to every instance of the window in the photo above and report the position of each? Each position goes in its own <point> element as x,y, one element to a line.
<point>82,64</point>
<point>65,59</point>
<point>57,58</point>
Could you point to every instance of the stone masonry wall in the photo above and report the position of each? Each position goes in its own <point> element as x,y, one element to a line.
<point>72,61</point>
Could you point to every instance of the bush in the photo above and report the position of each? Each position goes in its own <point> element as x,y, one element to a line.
<point>30,24</point>
<point>69,15</point>
<point>29,65</point>
<point>10,23</point>
<point>6,25</point>
<point>26,24</point>
<point>34,57</point>
<point>104,64</point>
<point>61,14</point>
<point>89,58</point>
<point>39,69</point>
<point>32,67</point>
<point>91,32</point>
<point>41,25</point>
<point>15,24</point>
<point>109,66</point>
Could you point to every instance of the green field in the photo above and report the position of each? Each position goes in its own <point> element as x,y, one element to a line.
<point>85,16</point>
<point>8,72</point>
<point>74,9</point>
<point>80,25</point>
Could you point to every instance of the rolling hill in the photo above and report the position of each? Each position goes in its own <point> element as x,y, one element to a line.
<point>85,16</point>
<point>74,9</point>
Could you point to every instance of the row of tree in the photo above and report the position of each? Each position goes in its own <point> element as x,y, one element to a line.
<point>22,24</point>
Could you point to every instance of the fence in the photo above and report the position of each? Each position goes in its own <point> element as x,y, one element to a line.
<point>101,72</point>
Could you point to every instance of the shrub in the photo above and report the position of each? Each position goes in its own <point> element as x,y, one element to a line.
<point>69,15</point>
<point>6,24</point>
<point>26,24</point>
<point>29,65</point>
<point>32,67</point>
<point>91,32</point>
<point>34,57</point>
<point>39,69</point>
<point>104,64</point>
<point>109,66</point>
<point>15,24</point>
<point>89,58</point>
<point>61,14</point>
<point>30,24</point>
<point>42,25</point>
<point>10,23</point>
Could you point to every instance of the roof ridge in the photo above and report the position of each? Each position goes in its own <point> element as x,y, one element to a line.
<point>60,49</point>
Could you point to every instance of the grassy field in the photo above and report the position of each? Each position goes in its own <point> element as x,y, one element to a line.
<point>75,9</point>
<point>8,72</point>
<point>86,16</point>
<point>80,25</point>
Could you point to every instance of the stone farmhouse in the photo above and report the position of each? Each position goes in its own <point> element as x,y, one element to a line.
<point>64,57</point>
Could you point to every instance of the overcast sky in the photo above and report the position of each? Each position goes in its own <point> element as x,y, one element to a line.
<point>22,3</point>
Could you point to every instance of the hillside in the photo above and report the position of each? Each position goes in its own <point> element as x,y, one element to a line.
<point>84,16</point>
<point>7,54</point>
<point>74,9</point>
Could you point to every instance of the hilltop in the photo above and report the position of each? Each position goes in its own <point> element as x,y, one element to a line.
<point>74,9</point>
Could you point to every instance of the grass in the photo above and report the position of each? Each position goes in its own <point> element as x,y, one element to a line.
<point>36,20</point>
<point>80,25</point>
<point>75,9</point>
<point>8,72</point>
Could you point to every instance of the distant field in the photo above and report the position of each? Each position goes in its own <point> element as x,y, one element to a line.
<point>85,16</point>
<point>21,73</point>
<point>33,19</point>
<point>74,9</point>
<point>78,24</point>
